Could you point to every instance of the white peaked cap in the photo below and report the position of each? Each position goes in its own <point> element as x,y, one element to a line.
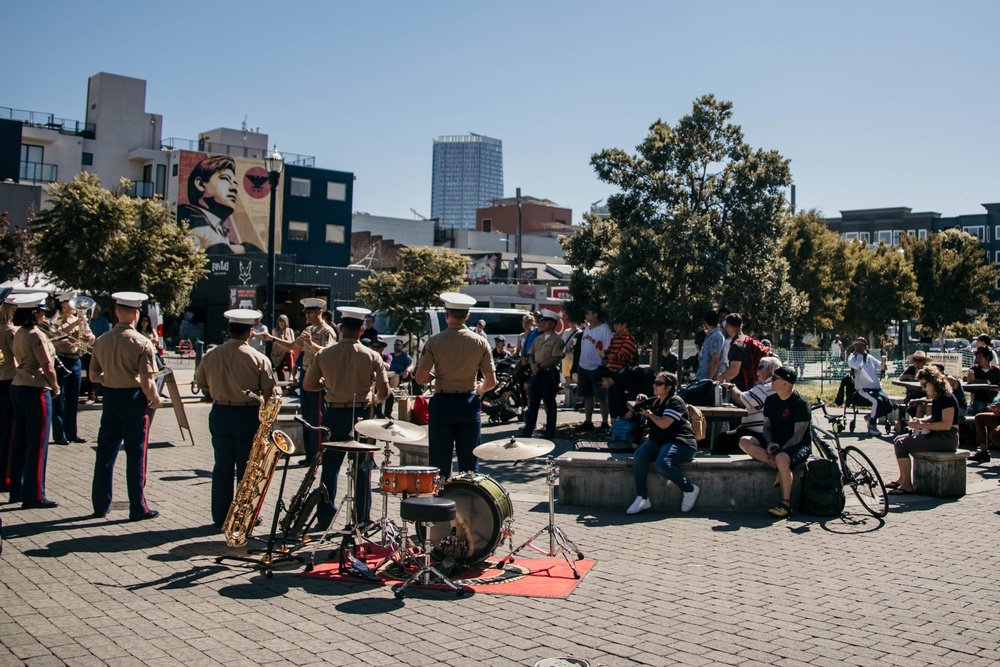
<point>549,314</point>
<point>458,301</point>
<point>313,302</point>
<point>66,296</point>
<point>129,299</point>
<point>33,300</point>
<point>353,313</point>
<point>242,315</point>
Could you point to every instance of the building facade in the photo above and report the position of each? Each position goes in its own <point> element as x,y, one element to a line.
<point>467,174</point>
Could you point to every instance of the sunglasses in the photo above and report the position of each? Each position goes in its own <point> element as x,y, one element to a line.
<point>659,383</point>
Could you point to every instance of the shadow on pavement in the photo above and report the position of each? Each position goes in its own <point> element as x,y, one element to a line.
<point>191,474</point>
<point>117,543</point>
<point>14,531</point>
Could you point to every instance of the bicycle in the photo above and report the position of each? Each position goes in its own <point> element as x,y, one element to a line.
<point>857,469</point>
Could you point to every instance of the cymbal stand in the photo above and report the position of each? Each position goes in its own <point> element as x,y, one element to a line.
<point>267,561</point>
<point>390,531</point>
<point>559,543</point>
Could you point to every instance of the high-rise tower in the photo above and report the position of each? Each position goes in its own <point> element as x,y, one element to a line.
<point>468,173</point>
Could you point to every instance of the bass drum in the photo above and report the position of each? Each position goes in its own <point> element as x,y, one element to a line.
<point>482,514</point>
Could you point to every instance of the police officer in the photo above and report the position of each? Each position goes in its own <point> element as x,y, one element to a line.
<point>124,361</point>
<point>31,392</point>
<point>68,322</point>
<point>314,338</point>
<point>452,359</point>
<point>544,359</point>
<point>7,370</point>
<point>349,371</point>
<point>226,372</point>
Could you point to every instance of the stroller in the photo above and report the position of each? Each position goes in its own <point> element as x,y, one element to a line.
<point>503,402</point>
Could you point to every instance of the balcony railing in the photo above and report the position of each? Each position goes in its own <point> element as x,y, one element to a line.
<point>49,121</point>
<point>38,172</point>
<point>245,152</point>
<point>142,189</point>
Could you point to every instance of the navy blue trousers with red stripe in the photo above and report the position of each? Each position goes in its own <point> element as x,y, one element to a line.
<point>124,420</point>
<point>32,420</point>
<point>6,434</point>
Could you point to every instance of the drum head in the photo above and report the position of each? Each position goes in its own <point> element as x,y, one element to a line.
<point>482,506</point>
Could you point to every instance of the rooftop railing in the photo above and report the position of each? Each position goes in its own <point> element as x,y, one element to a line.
<point>49,121</point>
<point>245,152</point>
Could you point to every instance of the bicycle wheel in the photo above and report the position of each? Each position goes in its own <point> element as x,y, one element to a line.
<point>865,481</point>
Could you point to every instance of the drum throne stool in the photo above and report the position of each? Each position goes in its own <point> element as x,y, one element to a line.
<point>425,511</point>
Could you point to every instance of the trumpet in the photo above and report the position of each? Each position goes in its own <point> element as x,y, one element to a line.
<point>82,303</point>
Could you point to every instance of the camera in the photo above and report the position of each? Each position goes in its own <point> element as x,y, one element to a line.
<point>644,404</point>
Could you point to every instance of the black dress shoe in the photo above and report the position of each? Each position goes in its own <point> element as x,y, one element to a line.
<point>39,504</point>
<point>259,521</point>
<point>14,499</point>
<point>99,515</point>
<point>63,441</point>
<point>79,440</point>
<point>151,514</point>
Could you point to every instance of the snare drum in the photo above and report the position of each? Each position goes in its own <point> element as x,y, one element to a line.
<point>411,480</point>
<point>483,509</point>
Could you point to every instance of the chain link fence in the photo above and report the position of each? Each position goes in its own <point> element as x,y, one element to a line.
<point>826,368</point>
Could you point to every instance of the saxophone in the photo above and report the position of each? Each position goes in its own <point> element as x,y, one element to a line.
<point>266,451</point>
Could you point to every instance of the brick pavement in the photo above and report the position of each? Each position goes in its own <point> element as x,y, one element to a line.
<point>698,589</point>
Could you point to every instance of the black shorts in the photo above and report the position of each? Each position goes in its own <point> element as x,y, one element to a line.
<point>587,385</point>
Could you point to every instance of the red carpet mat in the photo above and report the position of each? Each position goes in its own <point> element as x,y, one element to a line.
<point>527,577</point>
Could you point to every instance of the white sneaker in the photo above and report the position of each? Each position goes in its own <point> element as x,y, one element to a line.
<point>687,502</point>
<point>873,430</point>
<point>639,505</point>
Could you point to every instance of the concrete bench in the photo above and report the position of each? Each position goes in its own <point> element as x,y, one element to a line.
<point>596,479</point>
<point>940,474</point>
<point>412,453</point>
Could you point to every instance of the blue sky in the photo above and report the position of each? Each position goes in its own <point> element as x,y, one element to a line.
<point>876,104</point>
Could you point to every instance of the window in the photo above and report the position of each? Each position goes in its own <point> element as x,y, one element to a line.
<point>850,236</point>
<point>997,255</point>
<point>33,154</point>
<point>336,191</point>
<point>895,236</point>
<point>173,171</point>
<point>884,236</point>
<point>911,232</point>
<point>86,159</point>
<point>299,187</point>
<point>335,233</point>
<point>921,233</point>
<point>298,231</point>
<point>161,179</point>
<point>864,236</point>
<point>979,232</point>
<point>487,224</point>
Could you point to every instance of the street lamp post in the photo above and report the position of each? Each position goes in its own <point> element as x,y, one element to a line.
<point>274,163</point>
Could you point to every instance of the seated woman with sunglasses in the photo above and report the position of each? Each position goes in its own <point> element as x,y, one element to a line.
<point>935,433</point>
<point>671,442</point>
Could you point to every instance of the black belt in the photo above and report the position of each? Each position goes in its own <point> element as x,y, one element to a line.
<point>469,391</point>
<point>231,404</point>
<point>68,356</point>
<point>346,405</point>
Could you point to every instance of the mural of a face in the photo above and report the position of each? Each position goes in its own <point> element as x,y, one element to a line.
<point>221,189</point>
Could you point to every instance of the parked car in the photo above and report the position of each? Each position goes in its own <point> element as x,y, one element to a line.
<point>504,322</point>
<point>950,345</point>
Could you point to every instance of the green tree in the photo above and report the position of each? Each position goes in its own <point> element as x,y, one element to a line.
<point>954,277</point>
<point>102,241</point>
<point>881,290</point>
<point>405,295</point>
<point>16,259</point>
<point>820,270</point>
<point>697,220</point>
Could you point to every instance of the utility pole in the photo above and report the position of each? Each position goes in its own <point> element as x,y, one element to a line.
<point>520,272</point>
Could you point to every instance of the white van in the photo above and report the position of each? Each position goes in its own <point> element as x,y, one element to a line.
<point>504,322</point>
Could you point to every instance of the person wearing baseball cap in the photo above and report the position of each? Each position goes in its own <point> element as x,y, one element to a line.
<point>453,359</point>
<point>785,442</point>
<point>226,373</point>
<point>124,361</point>
<point>544,360</point>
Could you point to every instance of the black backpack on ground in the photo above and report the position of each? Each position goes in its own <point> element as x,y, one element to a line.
<point>822,489</point>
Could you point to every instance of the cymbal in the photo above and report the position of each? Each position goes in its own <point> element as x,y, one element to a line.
<point>350,446</point>
<point>389,429</point>
<point>515,449</point>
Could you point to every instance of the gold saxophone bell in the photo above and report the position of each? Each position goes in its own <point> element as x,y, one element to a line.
<point>282,441</point>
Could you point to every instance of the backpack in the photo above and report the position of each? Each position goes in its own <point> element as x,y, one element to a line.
<point>419,413</point>
<point>822,489</point>
<point>622,430</point>
<point>755,351</point>
<point>698,423</point>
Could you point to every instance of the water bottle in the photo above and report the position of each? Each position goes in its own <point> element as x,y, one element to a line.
<point>718,394</point>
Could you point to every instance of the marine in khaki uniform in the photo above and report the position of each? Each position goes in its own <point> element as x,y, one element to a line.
<point>355,378</point>
<point>7,368</point>
<point>453,358</point>
<point>68,322</point>
<point>31,391</point>
<point>227,372</point>
<point>314,338</point>
<point>124,361</point>
<point>544,359</point>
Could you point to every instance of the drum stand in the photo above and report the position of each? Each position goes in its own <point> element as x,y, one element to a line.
<point>267,559</point>
<point>559,543</point>
<point>390,531</point>
<point>351,536</point>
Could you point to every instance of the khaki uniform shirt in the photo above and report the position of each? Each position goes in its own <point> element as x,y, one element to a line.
<point>233,367</point>
<point>33,351</point>
<point>349,371</point>
<point>75,326</point>
<point>7,366</point>
<point>123,355</point>
<point>322,335</point>
<point>547,353</point>
<point>456,355</point>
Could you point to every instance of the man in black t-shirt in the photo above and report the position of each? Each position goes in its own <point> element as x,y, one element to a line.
<point>738,355</point>
<point>785,442</point>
